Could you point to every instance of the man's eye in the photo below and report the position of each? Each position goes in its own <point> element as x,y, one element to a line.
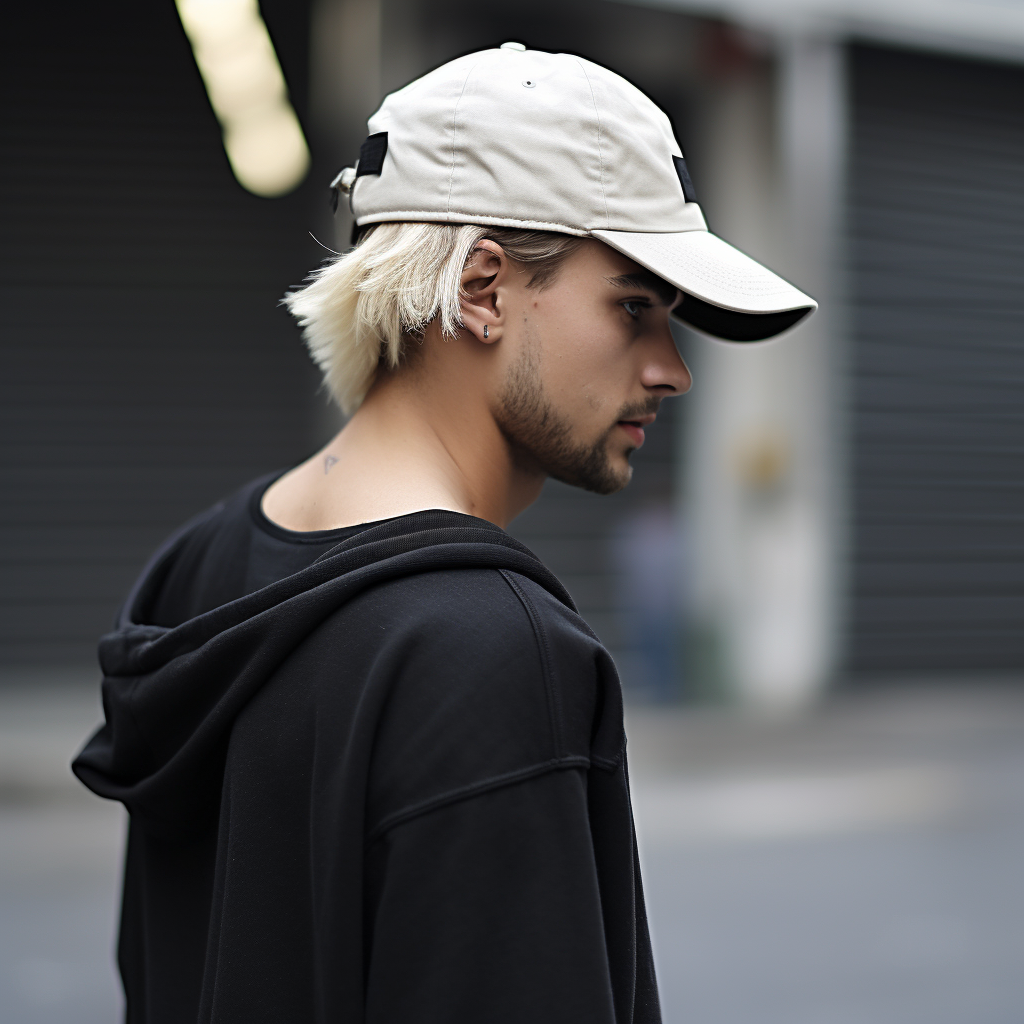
<point>634,307</point>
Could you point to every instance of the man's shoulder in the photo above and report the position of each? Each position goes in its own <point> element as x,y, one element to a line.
<point>478,617</point>
<point>488,677</point>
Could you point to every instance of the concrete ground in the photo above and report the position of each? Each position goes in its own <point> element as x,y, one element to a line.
<point>60,851</point>
<point>860,866</point>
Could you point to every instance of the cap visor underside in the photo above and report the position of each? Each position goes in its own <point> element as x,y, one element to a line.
<point>725,292</point>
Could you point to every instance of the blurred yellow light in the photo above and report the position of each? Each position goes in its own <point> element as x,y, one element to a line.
<point>268,153</point>
<point>262,135</point>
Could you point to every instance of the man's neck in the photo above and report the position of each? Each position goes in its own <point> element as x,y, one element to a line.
<point>407,449</point>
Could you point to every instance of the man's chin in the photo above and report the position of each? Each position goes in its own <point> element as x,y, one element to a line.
<point>607,476</point>
<point>541,441</point>
<point>620,471</point>
<point>622,475</point>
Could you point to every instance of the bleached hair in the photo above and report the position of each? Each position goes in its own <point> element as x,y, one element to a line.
<point>359,310</point>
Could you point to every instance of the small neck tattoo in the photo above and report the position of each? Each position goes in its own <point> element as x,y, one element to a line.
<point>329,460</point>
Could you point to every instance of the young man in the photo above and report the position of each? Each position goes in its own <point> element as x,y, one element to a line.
<point>374,760</point>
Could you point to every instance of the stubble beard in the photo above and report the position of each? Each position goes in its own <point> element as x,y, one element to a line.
<point>542,439</point>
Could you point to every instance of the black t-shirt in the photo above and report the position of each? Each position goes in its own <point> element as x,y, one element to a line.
<point>258,553</point>
<point>389,786</point>
<point>275,552</point>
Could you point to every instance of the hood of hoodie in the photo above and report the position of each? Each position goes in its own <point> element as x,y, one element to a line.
<point>171,695</point>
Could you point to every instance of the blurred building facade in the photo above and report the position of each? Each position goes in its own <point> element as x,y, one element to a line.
<point>848,499</point>
<point>147,368</point>
<point>855,488</point>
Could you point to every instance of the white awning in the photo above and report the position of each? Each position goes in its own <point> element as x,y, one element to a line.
<point>987,28</point>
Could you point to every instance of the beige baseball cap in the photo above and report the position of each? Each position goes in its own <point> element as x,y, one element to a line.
<point>527,139</point>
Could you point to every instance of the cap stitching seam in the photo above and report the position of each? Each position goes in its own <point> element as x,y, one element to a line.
<point>600,140</point>
<point>471,218</point>
<point>455,120</point>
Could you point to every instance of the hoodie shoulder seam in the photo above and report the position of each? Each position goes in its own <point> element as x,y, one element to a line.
<point>461,793</point>
<point>540,633</point>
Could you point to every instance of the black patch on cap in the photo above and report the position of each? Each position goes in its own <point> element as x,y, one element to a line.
<point>684,179</point>
<point>371,154</point>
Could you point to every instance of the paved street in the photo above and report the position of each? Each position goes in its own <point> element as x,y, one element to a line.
<point>860,867</point>
<point>59,859</point>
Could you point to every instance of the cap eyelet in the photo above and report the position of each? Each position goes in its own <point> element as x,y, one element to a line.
<point>529,84</point>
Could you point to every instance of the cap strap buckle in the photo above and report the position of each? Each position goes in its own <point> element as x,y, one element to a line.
<point>344,180</point>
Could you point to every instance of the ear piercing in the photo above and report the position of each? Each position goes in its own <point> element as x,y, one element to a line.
<point>487,331</point>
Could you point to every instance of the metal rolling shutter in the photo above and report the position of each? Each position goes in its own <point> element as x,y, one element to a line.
<point>936,231</point>
<point>147,368</point>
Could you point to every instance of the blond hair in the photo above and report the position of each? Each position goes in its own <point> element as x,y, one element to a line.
<point>358,311</point>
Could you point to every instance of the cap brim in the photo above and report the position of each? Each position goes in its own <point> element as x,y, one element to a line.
<point>725,292</point>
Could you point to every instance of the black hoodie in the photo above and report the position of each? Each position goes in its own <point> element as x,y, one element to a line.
<point>390,787</point>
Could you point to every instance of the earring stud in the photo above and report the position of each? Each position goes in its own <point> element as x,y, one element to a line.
<point>487,331</point>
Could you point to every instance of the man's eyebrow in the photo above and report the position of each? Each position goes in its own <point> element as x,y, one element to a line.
<point>650,282</point>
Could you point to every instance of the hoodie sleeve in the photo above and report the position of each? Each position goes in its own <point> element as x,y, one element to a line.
<point>484,897</point>
<point>489,909</point>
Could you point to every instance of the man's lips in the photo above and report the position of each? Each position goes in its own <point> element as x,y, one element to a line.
<point>635,427</point>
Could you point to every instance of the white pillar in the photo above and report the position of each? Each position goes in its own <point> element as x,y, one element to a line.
<point>762,474</point>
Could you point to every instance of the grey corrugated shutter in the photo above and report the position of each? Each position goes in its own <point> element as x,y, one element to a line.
<point>146,367</point>
<point>936,226</point>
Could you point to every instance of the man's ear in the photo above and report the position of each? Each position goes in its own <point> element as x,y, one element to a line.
<point>486,271</point>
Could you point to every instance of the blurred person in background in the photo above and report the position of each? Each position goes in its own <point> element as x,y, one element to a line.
<point>647,549</point>
<point>373,758</point>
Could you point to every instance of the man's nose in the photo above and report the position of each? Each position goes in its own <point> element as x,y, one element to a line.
<point>666,371</point>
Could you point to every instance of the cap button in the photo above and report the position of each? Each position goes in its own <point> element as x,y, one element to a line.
<point>513,46</point>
